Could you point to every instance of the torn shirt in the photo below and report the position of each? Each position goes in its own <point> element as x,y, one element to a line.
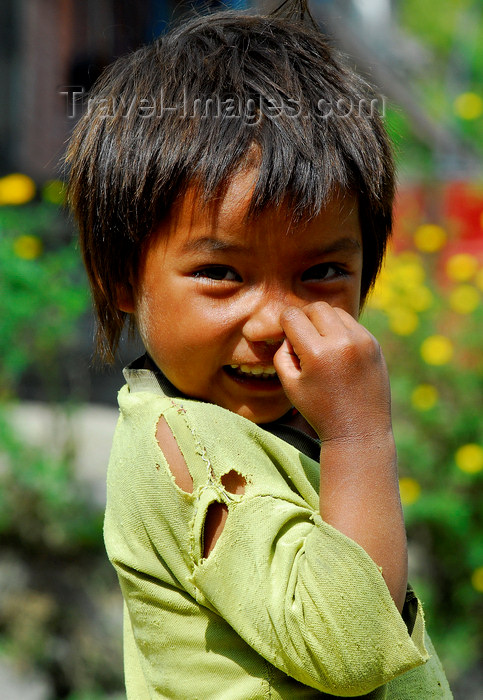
<point>285,606</point>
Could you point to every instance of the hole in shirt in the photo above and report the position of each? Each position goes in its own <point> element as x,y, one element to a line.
<point>215,520</point>
<point>175,459</point>
<point>234,482</point>
<point>217,513</point>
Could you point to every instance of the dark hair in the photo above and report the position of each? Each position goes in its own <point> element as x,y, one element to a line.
<point>276,88</point>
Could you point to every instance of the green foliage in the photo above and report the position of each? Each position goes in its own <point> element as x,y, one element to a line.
<point>432,343</point>
<point>96,696</point>
<point>449,84</point>
<point>412,157</point>
<point>434,20</point>
<point>43,291</point>
<point>56,584</point>
<point>42,296</point>
<point>41,503</point>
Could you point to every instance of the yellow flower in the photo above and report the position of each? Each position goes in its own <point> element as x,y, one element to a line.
<point>419,298</point>
<point>437,350</point>
<point>468,106</point>
<point>27,247</point>
<point>54,191</point>
<point>461,267</point>
<point>424,397</point>
<point>408,275</point>
<point>464,299</point>
<point>479,279</point>
<point>16,189</point>
<point>477,579</point>
<point>469,458</point>
<point>402,321</point>
<point>429,238</point>
<point>407,256</point>
<point>410,490</point>
<point>382,296</point>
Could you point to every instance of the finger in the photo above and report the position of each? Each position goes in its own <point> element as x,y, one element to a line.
<point>299,330</point>
<point>286,362</point>
<point>327,318</point>
<point>347,319</point>
<point>353,325</point>
<point>321,320</point>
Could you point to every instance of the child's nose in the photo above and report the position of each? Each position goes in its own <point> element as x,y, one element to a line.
<point>263,322</point>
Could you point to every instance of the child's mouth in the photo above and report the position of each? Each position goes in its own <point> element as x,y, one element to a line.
<point>259,373</point>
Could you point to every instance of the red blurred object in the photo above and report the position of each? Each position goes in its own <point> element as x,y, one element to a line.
<point>455,206</point>
<point>464,209</point>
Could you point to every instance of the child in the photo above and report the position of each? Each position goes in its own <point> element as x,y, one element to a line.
<point>233,187</point>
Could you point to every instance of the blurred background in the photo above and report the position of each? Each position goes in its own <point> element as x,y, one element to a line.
<point>60,608</point>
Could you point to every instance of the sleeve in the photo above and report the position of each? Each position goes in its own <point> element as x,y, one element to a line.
<point>304,596</point>
<point>307,598</point>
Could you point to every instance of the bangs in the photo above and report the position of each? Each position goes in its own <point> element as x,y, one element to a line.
<point>192,106</point>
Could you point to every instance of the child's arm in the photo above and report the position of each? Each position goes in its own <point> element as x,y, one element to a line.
<point>333,370</point>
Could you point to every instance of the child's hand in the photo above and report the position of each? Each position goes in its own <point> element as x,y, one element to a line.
<point>334,372</point>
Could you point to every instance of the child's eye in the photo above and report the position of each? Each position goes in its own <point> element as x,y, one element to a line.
<point>218,273</point>
<point>324,271</point>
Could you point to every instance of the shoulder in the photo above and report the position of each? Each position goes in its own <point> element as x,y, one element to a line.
<point>154,419</point>
<point>209,437</point>
<point>215,427</point>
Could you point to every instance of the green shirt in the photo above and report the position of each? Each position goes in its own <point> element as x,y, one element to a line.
<point>285,606</point>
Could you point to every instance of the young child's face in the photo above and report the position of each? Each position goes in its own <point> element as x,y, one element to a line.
<point>209,293</point>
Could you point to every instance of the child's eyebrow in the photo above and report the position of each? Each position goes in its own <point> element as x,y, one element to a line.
<point>210,244</point>
<point>345,244</point>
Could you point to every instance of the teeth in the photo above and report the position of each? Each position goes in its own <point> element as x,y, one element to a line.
<point>256,370</point>
<point>251,370</point>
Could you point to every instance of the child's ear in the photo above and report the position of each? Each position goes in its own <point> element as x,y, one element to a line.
<point>125,298</point>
